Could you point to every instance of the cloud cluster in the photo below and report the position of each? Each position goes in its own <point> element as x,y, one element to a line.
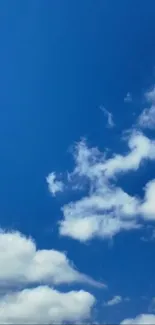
<point>28,274</point>
<point>21,265</point>
<point>107,209</point>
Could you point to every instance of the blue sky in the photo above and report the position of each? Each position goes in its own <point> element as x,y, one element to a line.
<point>64,67</point>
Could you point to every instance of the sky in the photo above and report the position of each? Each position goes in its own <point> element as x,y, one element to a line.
<point>77,149</point>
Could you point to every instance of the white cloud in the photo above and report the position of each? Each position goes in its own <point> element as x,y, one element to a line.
<point>93,164</point>
<point>89,222</point>
<point>107,209</point>
<point>147,117</point>
<point>22,263</point>
<point>141,148</point>
<point>114,301</point>
<point>43,305</point>
<point>128,98</point>
<point>54,185</point>
<point>147,319</point>
<point>109,116</point>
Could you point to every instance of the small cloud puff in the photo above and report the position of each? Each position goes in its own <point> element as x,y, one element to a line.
<point>114,301</point>
<point>128,98</point>
<point>54,185</point>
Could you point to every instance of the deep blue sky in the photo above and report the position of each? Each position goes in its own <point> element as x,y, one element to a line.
<point>59,61</point>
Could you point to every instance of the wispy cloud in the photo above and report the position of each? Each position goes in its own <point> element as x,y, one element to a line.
<point>114,301</point>
<point>128,98</point>
<point>109,116</point>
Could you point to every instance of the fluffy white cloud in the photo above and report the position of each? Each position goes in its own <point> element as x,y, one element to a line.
<point>143,319</point>
<point>88,222</point>
<point>114,301</point>
<point>147,117</point>
<point>109,116</point>
<point>21,263</point>
<point>43,305</point>
<point>54,185</point>
<point>107,209</point>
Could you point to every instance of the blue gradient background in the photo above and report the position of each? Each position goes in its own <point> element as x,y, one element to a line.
<point>59,61</point>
